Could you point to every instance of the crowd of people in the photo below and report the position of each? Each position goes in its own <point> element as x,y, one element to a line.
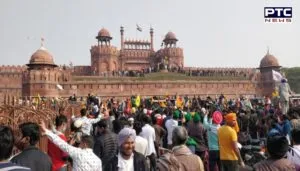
<point>218,73</point>
<point>160,133</point>
<point>141,73</point>
<point>199,72</point>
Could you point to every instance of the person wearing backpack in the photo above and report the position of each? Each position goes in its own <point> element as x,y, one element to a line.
<point>293,153</point>
<point>180,158</point>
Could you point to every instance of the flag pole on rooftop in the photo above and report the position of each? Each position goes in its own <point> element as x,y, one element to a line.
<point>42,41</point>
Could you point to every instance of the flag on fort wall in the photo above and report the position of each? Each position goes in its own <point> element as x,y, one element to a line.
<point>139,28</point>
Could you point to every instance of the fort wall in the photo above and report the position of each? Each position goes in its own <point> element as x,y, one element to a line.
<point>231,89</point>
<point>11,82</point>
<point>44,83</point>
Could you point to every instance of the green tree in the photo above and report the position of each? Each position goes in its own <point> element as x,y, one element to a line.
<point>293,76</point>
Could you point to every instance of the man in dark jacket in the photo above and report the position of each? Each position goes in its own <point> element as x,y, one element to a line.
<point>31,156</point>
<point>127,159</point>
<point>180,158</point>
<point>6,148</point>
<point>197,131</point>
<point>277,146</point>
<point>105,143</point>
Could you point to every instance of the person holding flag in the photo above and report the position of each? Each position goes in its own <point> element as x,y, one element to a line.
<point>284,93</point>
<point>277,77</point>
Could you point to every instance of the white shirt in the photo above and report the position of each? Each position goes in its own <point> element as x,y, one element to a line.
<point>170,125</point>
<point>284,91</point>
<point>83,159</point>
<point>141,145</point>
<point>294,154</point>
<point>148,133</point>
<point>95,108</point>
<point>125,165</point>
<point>87,123</point>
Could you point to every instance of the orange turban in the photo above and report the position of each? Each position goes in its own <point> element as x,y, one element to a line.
<point>230,117</point>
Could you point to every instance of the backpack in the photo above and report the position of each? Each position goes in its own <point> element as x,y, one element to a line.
<point>168,162</point>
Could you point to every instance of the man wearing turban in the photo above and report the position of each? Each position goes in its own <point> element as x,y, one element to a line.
<point>284,93</point>
<point>229,153</point>
<point>170,125</point>
<point>127,158</point>
<point>197,131</point>
<point>212,125</point>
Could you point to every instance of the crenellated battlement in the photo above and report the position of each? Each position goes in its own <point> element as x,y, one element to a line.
<point>136,54</point>
<point>136,41</point>
<point>137,44</point>
<point>12,68</point>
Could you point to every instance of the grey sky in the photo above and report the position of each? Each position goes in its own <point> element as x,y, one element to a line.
<point>215,33</point>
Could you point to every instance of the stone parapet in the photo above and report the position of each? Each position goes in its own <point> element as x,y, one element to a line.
<point>150,88</point>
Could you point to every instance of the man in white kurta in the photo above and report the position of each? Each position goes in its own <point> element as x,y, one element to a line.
<point>284,93</point>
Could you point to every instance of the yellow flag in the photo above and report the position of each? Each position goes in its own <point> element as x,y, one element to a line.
<point>275,94</point>
<point>179,102</point>
<point>138,101</point>
<point>162,104</point>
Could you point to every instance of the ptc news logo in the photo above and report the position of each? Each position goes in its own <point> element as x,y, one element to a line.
<point>278,14</point>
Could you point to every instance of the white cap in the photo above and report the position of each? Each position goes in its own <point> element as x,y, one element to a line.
<point>203,110</point>
<point>78,123</point>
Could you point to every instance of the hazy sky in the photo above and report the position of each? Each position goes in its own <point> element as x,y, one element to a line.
<point>214,33</point>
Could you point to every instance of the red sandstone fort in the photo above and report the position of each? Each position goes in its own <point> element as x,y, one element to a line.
<point>41,76</point>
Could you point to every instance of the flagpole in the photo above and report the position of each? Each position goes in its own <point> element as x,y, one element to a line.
<point>136,25</point>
